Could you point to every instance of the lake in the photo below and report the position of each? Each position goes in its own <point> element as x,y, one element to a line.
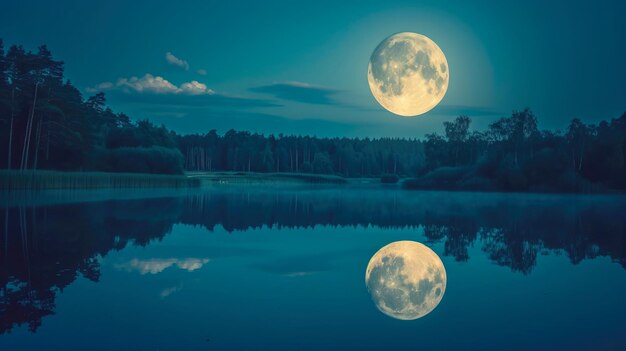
<point>283,268</point>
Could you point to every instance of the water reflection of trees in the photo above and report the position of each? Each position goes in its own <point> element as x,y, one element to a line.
<point>45,248</point>
<point>511,229</point>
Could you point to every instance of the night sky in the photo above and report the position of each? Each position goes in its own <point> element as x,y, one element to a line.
<point>300,67</point>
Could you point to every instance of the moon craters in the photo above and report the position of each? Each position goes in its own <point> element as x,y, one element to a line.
<point>408,74</point>
<point>406,280</point>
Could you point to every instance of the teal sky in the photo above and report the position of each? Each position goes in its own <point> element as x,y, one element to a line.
<point>300,67</point>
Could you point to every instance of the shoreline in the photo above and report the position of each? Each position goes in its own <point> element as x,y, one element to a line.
<point>56,180</point>
<point>40,180</point>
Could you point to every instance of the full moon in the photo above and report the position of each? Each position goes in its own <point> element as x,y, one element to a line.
<point>406,280</point>
<point>408,74</point>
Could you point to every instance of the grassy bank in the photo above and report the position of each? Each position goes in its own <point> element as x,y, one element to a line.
<point>42,180</point>
<point>266,178</point>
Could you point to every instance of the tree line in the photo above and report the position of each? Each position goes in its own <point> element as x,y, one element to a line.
<point>47,124</point>
<point>348,157</point>
<point>512,154</point>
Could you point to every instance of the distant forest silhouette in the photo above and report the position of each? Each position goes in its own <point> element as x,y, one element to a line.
<point>47,124</point>
<point>46,248</point>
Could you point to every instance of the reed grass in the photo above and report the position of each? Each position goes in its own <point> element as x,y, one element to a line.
<point>264,178</point>
<point>43,180</point>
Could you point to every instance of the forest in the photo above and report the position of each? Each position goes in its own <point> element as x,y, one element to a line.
<point>46,123</point>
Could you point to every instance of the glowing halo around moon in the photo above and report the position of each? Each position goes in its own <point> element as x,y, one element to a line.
<point>406,280</point>
<point>408,74</point>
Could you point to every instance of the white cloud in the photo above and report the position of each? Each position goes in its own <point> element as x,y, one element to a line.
<point>153,84</point>
<point>169,291</point>
<point>158,265</point>
<point>191,264</point>
<point>194,88</point>
<point>147,83</point>
<point>100,87</point>
<point>202,72</point>
<point>175,61</point>
<point>105,85</point>
<point>152,266</point>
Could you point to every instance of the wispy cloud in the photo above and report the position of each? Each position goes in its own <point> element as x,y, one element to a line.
<point>217,100</point>
<point>191,264</point>
<point>202,72</point>
<point>298,266</point>
<point>153,84</point>
<point>175,61</point>
<point>156,90</point>
<point>299,92</point>
<point>169,291</point>
<point>158,265</point>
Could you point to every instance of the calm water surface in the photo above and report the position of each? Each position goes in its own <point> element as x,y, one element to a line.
<point>267,269</point>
